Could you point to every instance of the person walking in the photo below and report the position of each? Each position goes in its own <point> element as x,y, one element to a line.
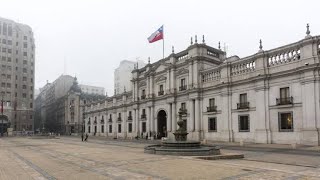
<point>86,139</point>
<point>82,136</point>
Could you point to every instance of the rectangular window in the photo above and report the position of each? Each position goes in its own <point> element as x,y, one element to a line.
<point>119,128</point>
<point>161,88</point>
<point>244,123</point>
<point>284,92</point>
<point>285,122</point>
<point>89,129</point>
<point>25,54</point>
<point>24,95</point>
<point>212,124</point>
<point>183,106</point>
<point>24,79</point>
<point>144,127</point>
<point>211,102</point>
<point>130,127</point>
<point>110,128</point>
<point>243,98</point>
<point>102,128</point>
<point>183,82</point>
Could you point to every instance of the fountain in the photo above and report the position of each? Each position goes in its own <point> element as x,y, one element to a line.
<point>180,146</point>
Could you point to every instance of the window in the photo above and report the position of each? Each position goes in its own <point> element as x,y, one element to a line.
<point>144,127</point>
<point>110,128</point>
<point>183,106</point>
<point>212,106</point>
<point>130,127</point>
<point>102,128</point>
<point>24,95</point>
<point>243,98</point>
<point>211,102</point>
<point>212,124</point>
<point>161,92</point>
<point>8,76</point>
<point>243,102</point>
<point>24,78</point>
<point>31,105</point>
<point>25,62</point>
<point>285,122</point>
<point>24,70</point>
<point>24,86</point>
<point>244,123</point>
<point>183,85</point>
<point>25,38</point>
<point>8,85</point>
<point>9,42</point>
<point>9,51</point>
<point>4,41</point>
<point>25,45</point>
<point>143,115</point>
<point>119,128</point>
<point>284,97</point>
<point>89,129</point>
<point>25,54</point>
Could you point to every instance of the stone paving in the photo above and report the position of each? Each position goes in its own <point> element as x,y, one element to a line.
<point>69,158</point>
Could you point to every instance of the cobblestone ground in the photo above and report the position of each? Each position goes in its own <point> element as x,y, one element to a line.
<point>68,158</point>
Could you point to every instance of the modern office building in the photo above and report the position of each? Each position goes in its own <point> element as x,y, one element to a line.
<point>17,61</point>
<point>272,96</point>
<point>92,89</point>
<point>123,76</point>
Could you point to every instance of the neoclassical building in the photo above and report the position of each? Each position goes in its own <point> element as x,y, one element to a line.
<point>272,96</point>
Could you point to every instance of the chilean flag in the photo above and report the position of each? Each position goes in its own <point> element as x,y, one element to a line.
<point>158,35</point>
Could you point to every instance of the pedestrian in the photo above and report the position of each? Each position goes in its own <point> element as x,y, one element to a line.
<point>86,139</point>
<point>82,136</point>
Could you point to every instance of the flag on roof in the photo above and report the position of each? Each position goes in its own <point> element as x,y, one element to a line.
<point>158,35</point>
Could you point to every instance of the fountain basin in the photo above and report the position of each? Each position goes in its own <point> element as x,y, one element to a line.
<point>182,148</point>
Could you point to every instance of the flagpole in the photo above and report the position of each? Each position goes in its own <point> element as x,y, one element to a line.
<point>163,43</point>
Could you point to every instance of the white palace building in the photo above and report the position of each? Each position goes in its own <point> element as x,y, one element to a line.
<point>272,96</point>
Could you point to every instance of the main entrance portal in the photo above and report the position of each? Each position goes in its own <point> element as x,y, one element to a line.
<point>162,124</point>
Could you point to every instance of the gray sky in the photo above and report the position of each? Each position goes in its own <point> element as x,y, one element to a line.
<point>91,37</point>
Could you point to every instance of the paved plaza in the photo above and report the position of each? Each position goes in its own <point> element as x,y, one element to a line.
<point>69,158</point>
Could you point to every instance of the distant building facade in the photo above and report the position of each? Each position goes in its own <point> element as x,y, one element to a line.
<point>123,76</point>
<point>269,97</point>
<point>59,106</point>
<point>17,59</point>
<point>92,89</point>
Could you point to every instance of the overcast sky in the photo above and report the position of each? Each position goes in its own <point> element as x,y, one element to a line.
<point>89,38</point>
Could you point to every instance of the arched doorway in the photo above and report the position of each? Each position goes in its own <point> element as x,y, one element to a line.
<point>162,124</point>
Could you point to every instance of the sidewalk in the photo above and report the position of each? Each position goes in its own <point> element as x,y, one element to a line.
<point>267,147</point>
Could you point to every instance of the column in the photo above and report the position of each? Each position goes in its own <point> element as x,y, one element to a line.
<point>137,122</point>
<point>191,118</point>
<point>152,119</point>
<point>195,74</point>
<point>174,119</point>
<point>197,115</point>
<point>148,87</point>
<point>134,119</point>
<point>151,86</point>
<point>124,123</point>
<point>148,119</point>
<point>169,118</point>
<point>168,81</point>
<point>114,124</point>
<point>190,82</point>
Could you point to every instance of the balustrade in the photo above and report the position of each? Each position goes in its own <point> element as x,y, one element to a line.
<point>243,67</point>
<point>284,57</point>
<point>211,76</point>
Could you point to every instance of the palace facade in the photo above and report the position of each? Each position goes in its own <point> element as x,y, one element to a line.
<point>272,96</point>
